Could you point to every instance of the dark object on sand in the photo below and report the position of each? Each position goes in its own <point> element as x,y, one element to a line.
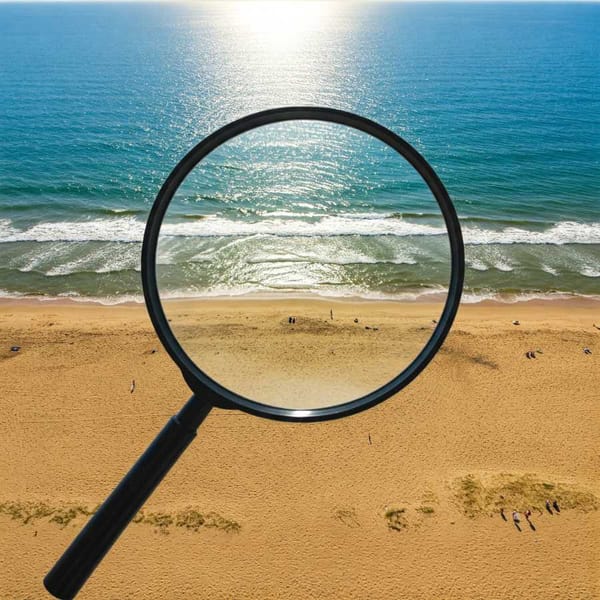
<point>528,518</point>
<point>15,348</point>
<point>356,320</point>
<point>516,322</point>
<point>503,515</point>
<point>516,517</point>
<point>530,354</point>
<point>587,351</point>
<point>549,507</point>
<point>84,554</point>
<point>596,326</point>
<point>555,506</point>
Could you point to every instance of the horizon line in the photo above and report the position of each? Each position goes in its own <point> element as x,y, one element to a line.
<point>568,2</point>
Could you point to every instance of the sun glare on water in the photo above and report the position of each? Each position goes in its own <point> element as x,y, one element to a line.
<point>280,24</point>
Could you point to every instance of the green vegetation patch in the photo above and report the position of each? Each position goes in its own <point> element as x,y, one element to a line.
<point>478,496</point>
<point>396,518</point>
<point>470,495</point>
<point>162,521</point>
<point>215,520</point>
<point>425,510</point>
<point>190,518</point>
<point>30,512</point>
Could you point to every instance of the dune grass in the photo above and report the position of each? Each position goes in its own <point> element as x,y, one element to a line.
<point>30,512</point>
<point>347,516</point>
<point>189,518</point>
<point>478,496</point>
<point>425,510</point>
<point>396,518</point>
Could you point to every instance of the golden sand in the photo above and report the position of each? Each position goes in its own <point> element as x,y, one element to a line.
<point>401,501</point>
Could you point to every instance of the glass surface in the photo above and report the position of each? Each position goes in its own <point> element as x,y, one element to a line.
<point>303,264</point>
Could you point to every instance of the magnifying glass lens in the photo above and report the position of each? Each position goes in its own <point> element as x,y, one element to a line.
<point>303,265</point>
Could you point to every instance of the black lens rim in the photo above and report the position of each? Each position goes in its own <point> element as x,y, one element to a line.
<point>199,381</point>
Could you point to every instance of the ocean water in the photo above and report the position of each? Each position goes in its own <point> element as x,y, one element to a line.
<point>98,102</point>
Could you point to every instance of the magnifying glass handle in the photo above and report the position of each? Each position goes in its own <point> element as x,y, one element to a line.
<point>85,552</point>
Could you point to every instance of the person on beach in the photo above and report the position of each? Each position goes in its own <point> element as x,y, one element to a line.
<point>549,507</point>
<point>516,519</point>
<point>528,517</point>
<point>555,505</point>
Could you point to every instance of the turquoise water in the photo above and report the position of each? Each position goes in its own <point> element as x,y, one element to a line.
<point>98,102</point>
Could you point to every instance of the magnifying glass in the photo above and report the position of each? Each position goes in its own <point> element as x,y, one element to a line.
<point>250,209</point>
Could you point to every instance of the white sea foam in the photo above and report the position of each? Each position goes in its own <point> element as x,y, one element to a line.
<point>119,229</point>
<point>503,266</point>
<point>129,229</point>
<point>564,232</point>
<point>550,270</point>
<point>324,226</point>
<point>477,265</point>
<point>590,272</point>
<point>102,260</point>
<point>349,258</point>
<point>433,295</point>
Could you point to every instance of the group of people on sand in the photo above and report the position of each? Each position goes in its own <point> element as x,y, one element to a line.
<point>532,353</point>
<point>551,507</point>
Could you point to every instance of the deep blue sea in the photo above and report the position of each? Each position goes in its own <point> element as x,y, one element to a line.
<point>98,102</point>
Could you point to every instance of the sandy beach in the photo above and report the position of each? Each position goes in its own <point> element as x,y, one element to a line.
<point>401,501</point>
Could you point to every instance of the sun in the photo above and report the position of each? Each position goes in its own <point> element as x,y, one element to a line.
<point>280,23</point>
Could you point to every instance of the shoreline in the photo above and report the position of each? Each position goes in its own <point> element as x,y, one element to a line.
<point>332,353</point>
<point>572,300</point>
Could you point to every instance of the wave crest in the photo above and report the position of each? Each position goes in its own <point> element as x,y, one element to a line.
<point>130,229</point>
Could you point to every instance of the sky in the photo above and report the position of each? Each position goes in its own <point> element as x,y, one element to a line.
<point>249,1</point>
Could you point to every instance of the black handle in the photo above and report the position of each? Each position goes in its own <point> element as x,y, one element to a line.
<point>85,552</point>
